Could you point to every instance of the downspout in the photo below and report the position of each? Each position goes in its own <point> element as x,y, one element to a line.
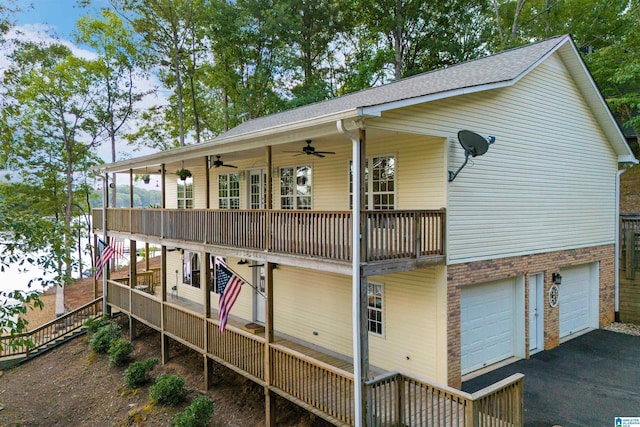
<point>355,275</point>
<point>616,258</point>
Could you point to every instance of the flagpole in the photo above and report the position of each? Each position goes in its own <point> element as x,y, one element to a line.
<point>243,279</point>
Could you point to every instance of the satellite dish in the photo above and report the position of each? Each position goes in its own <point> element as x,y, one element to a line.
<point>474,145</point>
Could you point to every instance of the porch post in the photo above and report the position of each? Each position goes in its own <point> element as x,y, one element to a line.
<point>105,239</point>
<point>133,280</point>
<point>270,396</point>
<point>146,257</point>
<point>130,188</point>
<point>207,182</point>
<point>206,299</point>
<point>93,262</point>
<point>269,200</point>
<point>359,285</point>
<point>164,341</point>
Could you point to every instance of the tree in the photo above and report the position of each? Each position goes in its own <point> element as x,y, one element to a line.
<point>400,38</point>
<point>116,68</point>
<point>50,108</point>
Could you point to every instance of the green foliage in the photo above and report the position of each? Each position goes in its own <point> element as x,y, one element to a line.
<point>95,323</point>
<point>12,305</point>
<point>120,352</point>
<point>101,341</point>
<point>197,414</point>
<point>137,373</point>
<point>168,390</point>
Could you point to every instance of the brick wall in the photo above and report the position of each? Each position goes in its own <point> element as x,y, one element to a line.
<point>460,275</point>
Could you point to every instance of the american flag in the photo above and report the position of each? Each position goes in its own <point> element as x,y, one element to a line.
<point>229,286</point>
<point>113,249</point>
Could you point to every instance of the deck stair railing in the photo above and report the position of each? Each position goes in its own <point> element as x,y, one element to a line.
<point>42,336</point>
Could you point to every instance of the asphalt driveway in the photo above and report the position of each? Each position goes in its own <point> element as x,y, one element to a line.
<point>587,381</point>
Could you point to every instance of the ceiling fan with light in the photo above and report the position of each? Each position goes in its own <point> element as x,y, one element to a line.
<point>310,150</point>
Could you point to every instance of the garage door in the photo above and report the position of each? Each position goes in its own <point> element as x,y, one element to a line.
<point>575,299</point>
<point>487,324</point>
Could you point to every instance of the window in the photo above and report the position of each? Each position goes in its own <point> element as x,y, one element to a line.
<point>374,308</point>
<point>381,188</point>
<point>191,269</point>
<point>295,187</point>
<point>185,193</point>
<point>229,191</point>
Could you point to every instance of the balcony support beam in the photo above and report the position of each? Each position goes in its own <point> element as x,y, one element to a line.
<point>205,285</point>
<point>270,396</point>
<point>133,281</point>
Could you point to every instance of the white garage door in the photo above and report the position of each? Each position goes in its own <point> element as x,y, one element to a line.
<point>576,299</point>
<point>487,324</point>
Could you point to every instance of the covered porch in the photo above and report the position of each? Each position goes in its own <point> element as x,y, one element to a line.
<point>311,377</point>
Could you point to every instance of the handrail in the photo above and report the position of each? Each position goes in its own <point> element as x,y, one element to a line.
<point>55,329</point>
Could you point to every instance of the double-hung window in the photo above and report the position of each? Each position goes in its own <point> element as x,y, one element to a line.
<point>229,191</point>
<point>375,308</point>
<point>380,183</point>
<point>295,187</point>
<point>185,193</point>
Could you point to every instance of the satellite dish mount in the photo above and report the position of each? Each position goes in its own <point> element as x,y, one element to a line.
<point>474,145</point>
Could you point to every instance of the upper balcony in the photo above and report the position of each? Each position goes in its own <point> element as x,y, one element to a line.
<point>394,236</point>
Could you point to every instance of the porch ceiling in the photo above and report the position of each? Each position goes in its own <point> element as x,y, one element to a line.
<point>238,149</point>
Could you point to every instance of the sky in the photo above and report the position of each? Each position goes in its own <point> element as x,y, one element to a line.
<point>60,15</point>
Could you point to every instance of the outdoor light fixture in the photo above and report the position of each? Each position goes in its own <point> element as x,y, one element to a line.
<point>243,262</point>
<point>556,278</point>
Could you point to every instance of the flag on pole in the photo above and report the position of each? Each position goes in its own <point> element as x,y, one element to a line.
<point>229,286</point>
<point>112,250</point>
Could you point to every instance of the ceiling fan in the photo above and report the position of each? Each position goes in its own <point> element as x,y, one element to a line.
<point>217,163</point>
<point>309,150</point>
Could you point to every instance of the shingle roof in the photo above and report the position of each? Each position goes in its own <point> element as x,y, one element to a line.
<point>501,67</point>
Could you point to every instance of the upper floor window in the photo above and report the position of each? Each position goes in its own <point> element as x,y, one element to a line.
<point>229,191</point>
<point>185,193</point>
<point>191,269</point>
<point>295,187</point>
<point>380,183</point>
<point>375,308</point>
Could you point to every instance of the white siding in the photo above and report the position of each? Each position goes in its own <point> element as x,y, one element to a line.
<point>316,307</point>
<point>546,184</point>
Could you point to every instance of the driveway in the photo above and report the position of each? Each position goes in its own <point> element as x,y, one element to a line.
<point>587,381</point>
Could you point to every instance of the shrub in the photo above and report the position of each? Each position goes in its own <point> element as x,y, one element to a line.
<point>100,342</point>
<point>168,390</point>
<point>138,372</point>
<point>96,323</point>
<point>195,415</point>
<point>119,352</point>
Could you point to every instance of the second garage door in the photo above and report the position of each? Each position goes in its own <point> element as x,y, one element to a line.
<point>487,324</point>
<point>577,299</point>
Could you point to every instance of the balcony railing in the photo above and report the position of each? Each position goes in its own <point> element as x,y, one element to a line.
<point>388,235</point>
<point>394,399</point>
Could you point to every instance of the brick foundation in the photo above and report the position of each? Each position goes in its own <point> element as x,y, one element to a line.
<point>460,275</point>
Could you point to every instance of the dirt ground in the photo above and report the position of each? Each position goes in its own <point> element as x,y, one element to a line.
<point>71,386</point>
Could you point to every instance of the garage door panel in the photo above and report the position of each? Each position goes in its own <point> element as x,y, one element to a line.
<point>575,301</point>
<point>487,325</point>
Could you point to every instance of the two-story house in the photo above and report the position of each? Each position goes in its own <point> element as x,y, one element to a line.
<point>363,257</point>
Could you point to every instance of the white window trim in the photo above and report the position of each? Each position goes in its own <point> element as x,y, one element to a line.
<point>184,183</point>
<point>381,310</point>
<point>295,196</point>
<point>228,197</point>
<point>369,182</point>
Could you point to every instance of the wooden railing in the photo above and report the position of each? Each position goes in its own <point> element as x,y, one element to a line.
<point>49,332</point>
<point>236,348</point>
<point>316,384</point>
<point>389,235</point>
<point>396,399</point>
<point>184,325</point>
<point>146,308</point>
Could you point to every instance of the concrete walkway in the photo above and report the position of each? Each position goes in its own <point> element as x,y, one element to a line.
<point>587,381</point>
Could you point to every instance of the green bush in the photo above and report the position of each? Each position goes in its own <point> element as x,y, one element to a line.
<point>138,372</point>
<point>120,351</point>
<point>195,415</point>
<point>100,342</point>
<point>168,390</point>
<point>96,323</point>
